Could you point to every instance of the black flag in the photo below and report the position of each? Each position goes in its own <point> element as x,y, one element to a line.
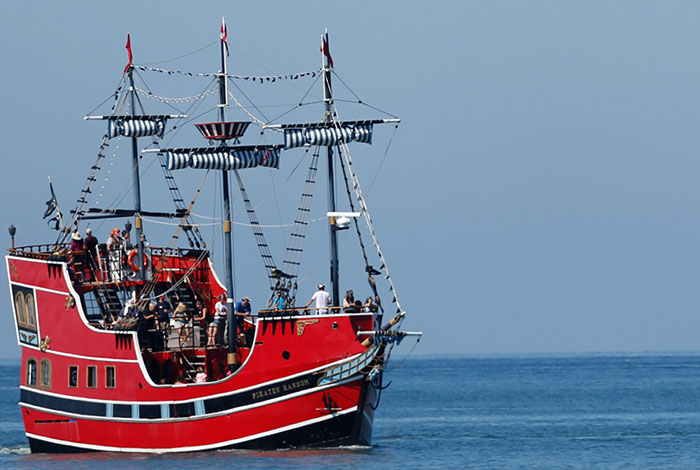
<point>51,207</point>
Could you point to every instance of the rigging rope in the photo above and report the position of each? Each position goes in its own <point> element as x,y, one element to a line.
<point>345,151</point>
<point>257,121</point>
<point>174,100</point>
<point>268,261</point>
<point>295,247</point>
<point>368,267</point>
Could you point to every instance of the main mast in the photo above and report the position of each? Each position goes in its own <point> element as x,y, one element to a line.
<point>223,101</point>
<point>329,118</point>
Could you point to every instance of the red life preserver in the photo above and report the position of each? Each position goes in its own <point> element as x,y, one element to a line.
<point>133,254</point>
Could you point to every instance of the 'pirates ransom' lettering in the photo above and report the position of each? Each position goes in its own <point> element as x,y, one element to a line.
<point>287,387</point>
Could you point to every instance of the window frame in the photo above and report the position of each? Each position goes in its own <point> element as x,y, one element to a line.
<point>77,376</point>
<point>30,319</point>
<point>45,363</point>
<point>31,361</point>
<point>113,382</point>
<point>91,372</point>
<point>20,309</point>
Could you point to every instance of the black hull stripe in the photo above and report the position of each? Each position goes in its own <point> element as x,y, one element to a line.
<point>170,411</point>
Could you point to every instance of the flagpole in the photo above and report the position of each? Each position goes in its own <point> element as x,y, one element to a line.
<point>231,318</point>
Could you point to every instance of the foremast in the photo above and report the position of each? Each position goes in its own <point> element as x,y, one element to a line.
<point>228,261</point>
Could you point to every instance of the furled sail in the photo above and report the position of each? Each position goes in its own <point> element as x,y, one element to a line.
<point>223,158</point>
<point>129,127</point>
<point>324,135</point>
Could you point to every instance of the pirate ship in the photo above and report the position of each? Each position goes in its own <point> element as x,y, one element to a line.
<point>99,374</point>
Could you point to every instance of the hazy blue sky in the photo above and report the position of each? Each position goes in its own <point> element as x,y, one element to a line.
<point>541,194</point>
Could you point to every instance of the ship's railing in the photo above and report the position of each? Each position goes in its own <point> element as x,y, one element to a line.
<point>298,311</point>
<point>41,251</point>
<point>103,269</point>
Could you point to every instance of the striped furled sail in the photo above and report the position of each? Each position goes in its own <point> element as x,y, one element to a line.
<point>327,135</point>
<point>178,161</point>
<point>135,127</point>
<point>230,159</point>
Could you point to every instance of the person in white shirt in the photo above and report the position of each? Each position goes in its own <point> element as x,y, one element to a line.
<point>322,299</point>
<point>219,324</point>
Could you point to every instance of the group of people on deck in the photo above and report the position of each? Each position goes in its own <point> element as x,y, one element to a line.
<point>85,253</point>
<point>322,301</point>
<point>155,322</point>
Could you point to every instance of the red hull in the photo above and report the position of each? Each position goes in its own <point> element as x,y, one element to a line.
<point>303,380</point>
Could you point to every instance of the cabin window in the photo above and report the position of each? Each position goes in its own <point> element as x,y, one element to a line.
<point>20,309</point>
<point>73,376</point>
<point>110,379</point>
<point>31,373</point>
<point>31,317</point>
<point>92,376</point>
<point>45,374</point>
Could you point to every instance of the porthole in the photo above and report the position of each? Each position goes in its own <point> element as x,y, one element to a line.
<point>286,355</point>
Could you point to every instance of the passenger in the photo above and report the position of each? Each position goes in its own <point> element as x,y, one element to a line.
<point>220,316</point>
<point>281,301</point>
<point>127,239</point>
<point>242,310</point>
<point>146,326</point>
<point>180,380</point>
<point>322,299</point>
<point>77,243</point>
<point>203,317</point>
<point>164,309</point>
<point>348,300</point>
<point>211,329</point>
<point>181,320</point>
<point>115,247</point>
<point>370,306</point>
<point>201,376</point>
<point>76,261</point>
<point>129,309</point>
<point>91,247</point>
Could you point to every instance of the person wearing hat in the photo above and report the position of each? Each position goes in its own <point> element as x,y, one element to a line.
<point>322,299</point>
<point>242,309</point>
<point>348,300</point>
<point>77,242</point>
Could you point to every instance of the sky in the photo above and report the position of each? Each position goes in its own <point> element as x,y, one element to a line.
<point>539,196</point>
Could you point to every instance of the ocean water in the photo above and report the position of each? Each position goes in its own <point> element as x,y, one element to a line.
<point>510,412</point>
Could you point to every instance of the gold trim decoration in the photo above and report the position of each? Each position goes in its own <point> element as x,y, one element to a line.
<point>45,343</point>
<point>13,269</point>
<point>302,324</point>
<point>70,302</point>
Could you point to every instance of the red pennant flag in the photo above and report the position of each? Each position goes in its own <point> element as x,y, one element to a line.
<point>326,52</point>
<point>224,34</point>
<point>128,48</point>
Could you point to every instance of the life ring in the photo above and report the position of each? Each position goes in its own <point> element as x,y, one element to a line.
<point>132,256</point>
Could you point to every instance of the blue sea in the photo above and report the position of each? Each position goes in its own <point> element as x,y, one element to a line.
<point>626,411</point>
